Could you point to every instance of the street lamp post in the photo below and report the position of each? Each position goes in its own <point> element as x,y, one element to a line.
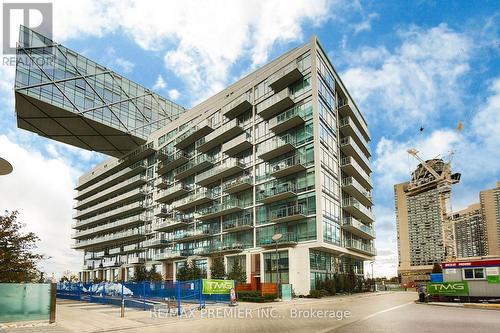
<point>373,277</point>
<point>276,238</point>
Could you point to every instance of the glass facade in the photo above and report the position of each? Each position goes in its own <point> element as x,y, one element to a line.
<point>272,156</point>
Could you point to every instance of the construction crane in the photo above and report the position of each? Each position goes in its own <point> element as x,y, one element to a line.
<point>437,173</point>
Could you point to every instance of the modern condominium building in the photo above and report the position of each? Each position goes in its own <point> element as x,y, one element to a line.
<point>420,213</point>
<point>490,209</point>
<point>470,232</point>
<point>284,150</point>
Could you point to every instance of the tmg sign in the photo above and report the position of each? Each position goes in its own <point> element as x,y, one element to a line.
<point>217,286</point>
<point>448,288</point>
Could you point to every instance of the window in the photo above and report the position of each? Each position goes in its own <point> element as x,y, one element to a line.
<point>473,273</point>
<point>271,265</point>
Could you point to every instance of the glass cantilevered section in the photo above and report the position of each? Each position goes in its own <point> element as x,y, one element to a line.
<point>64,96</point>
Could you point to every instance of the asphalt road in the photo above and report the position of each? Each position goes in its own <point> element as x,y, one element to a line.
<point>381,312</point>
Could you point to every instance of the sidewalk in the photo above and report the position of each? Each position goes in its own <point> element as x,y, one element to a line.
<point>483,306</point>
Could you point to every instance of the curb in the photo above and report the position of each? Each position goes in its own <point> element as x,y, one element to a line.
<point>481,306</point>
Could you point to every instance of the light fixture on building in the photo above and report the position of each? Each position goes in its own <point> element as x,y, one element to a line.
<point>5,167</point>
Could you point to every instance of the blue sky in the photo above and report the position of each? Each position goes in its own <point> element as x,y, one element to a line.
<point>407,64</point>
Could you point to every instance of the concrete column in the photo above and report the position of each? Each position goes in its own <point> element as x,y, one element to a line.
<point>299,270</point>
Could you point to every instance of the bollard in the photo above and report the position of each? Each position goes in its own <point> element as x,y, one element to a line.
<point>122,309</point>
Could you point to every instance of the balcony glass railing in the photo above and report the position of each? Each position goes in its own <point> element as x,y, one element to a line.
<point>276,143</point>
<point>350,221</point>
<point>111,225</point>
<point>355,203</point>
<point>275,188</point>
<point>247,179</point>
<point>227,164</point>
<point>110,237</point>
<point>350,181</point>
<point>285,212</point>
<point>220,207</point>
<point>111,213</point>
<point>236,223</point>
<point>286,163</point>
<point>110,202</point>
<point>348,141</point>
<point>200,194</point>
<point>358,245</point>
<point>351,161</point>
<point>347,121</point>
<point>286,238</point>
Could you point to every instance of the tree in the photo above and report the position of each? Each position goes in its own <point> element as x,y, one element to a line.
<point>189,271</point>
<point>17,258</point>
<point>217,270</point>
<point>140,274</point>
<point>153,275</point>
<point>437,268</point>
<point>237,273</point>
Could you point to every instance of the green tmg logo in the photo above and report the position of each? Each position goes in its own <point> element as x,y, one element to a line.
<point>211,286</point>
<point>448,288</point>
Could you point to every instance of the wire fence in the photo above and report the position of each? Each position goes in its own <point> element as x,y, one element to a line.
<point>142,295</point>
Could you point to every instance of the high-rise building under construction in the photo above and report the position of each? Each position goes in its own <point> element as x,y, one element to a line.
<point>423,229</point>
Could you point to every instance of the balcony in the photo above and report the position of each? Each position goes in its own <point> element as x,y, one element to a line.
<point>112,214</point>
<point>191,235</point>
<point>228,168</point>
<point>285,77</point>
<point>200,163</point>
<point>109,239</point>
<point>222,134</point>
<point>287,239</point>
<point>113,263</point>
<point>111,180</point>
<point>357,228</point>
<point>350,167</point>
<point>162,154</point>
<point>193,134</point>
<point>128,184</point>
<point>275,104</point>
<point>170,255</point>
<point>193,200</point>
<point>237,224</point>
<point>164,182</point>
<point>136,260</point>
<point>287,120</point>
<point>350,110</point>
<point>277,191</point>
<point>235,146</point>
<point>172,161</point>
<point>238,184</point>
<point>219,209</point>
<point>132,248</point>
<point>356,209</point>
<point>349,128</point>
<point>162,211</point>
<point>87,267</point>
<point>356,245</point>
<point>277,146</point>
<point>237,107</point>
<point>288,214</point>
<point>287,166</point>
<point>350,148</point>
<point>170,223</point>
<point>126,222</point>
<point>171,193</point>
<point>226,247</point>
<point>156,243</point>
<point>351,186</point>
<point>115,201</point>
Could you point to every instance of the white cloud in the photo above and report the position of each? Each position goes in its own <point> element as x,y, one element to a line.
<point>203,39</point>
<point>366,24</point>
<point>411,84</point>
<point>125,65</point>
<point>174,94</point>
<point>160,83</point>
<point>41,189</point>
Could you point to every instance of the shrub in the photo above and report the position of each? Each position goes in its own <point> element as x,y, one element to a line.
<point>246,293</point>
<point>315,294</point>
<point>270,296</point>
